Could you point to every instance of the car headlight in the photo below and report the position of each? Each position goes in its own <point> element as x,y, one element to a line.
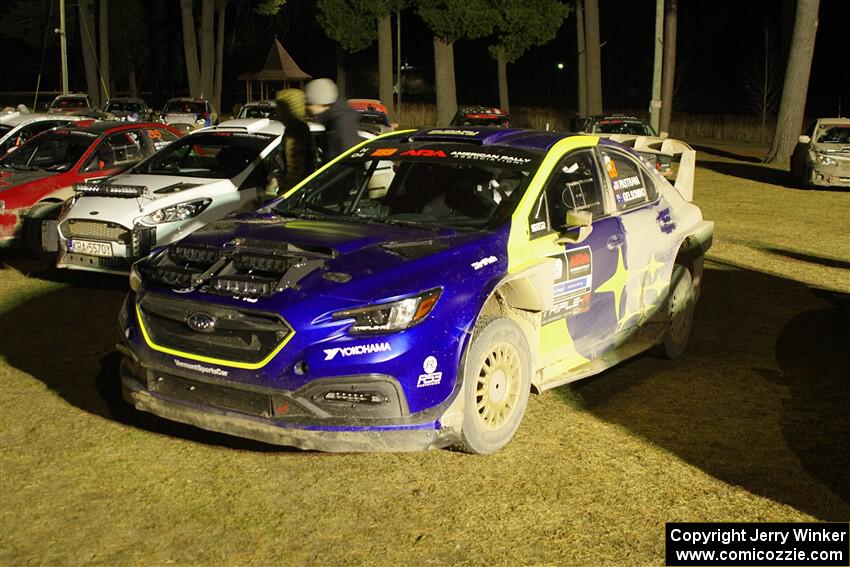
<point>395,316</point>
<point>66,206</point>
<point>179,212</point>
<point>825,160</point>
<point>200,121</point>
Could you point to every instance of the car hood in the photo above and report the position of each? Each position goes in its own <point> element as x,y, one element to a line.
<point>359,261</point>
<point>11,178</point>
<point>161,191</point>
<point>832,149</point>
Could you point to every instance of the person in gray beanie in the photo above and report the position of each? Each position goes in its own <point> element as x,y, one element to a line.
<point>328,109</point>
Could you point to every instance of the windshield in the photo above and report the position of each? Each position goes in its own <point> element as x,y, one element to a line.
<point>123,107</point>
<point>58,151</point>
<point>623,127</point>
<point>219,155</point>
<point>834,135</point>
<point>257,111</point>
<point>428,185</point>
<point>184,107</point>
<point>69,103</point>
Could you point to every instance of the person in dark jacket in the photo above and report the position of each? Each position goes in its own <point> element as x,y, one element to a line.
<point>297,156</point>
<point>340,121</point>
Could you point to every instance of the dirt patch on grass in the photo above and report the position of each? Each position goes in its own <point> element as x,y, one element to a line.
<point>747,426</point>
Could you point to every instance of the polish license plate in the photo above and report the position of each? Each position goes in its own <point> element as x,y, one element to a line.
<point>90,248</point>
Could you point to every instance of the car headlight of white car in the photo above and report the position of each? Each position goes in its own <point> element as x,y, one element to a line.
<point>824,159</point>
<point>179,212</point>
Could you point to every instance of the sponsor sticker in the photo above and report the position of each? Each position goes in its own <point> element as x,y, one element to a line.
<point>572,284</point>
<point>538,226</point>
<point>210,370</point>
<point>495,158</point>
<point>423,153</point>
<point>431,376</point>
<point>384,152</point>
<point>357,350</point>
<point>484,262</point>
<point>447,132</point>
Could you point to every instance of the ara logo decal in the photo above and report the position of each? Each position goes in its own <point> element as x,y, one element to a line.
<point>431,376</point>
<point>579,262</point>
<point>330,353</point>
<point>423,153</point>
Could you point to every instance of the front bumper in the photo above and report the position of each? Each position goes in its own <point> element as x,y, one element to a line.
<point>135,244</point>
<point>336,436</point>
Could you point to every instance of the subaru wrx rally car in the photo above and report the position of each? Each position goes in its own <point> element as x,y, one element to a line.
<point>199,178</point>
<point>419,307</point>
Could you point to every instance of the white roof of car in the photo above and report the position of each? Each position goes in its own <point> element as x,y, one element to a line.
<point>18,118</point>
<point>263,125</point>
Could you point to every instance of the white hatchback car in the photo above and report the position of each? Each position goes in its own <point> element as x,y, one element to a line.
<point>18,127</point>
<point>197,179</point>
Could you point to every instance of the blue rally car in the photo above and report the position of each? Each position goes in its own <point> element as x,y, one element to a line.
<point>414,291</point>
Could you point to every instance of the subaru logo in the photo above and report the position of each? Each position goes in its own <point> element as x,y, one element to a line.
<point>201,322</point>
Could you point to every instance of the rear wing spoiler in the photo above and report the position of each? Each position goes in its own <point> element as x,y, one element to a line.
<point>679,151</point>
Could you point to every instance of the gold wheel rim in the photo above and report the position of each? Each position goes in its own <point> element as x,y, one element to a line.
<point>497,387</point>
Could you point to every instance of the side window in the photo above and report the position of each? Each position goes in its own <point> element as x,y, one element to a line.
<point>628,180</point>
<point>538,220</point>
<point>160,137</point>
<point>258,177</point>
<point>575,185</point>
<point>117,150</point>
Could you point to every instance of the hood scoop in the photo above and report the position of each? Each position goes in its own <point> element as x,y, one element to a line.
<point>415,250</point>
<point>242,268</point>
<point>176,188</point>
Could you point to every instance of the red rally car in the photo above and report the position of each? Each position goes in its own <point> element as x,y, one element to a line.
<point>40,175</point>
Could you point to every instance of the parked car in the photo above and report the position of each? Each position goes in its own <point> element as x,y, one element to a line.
<point>200,178</point>
<point>481,116</point>
<point>822,155</point>
<point>129,109</point>
<point>614,124</point>
<point>374,116</point>
<point>74,103</point>
<point>18,127</point>
<point>420,310</point>
<point>188,114</point>
<point>258,109</point>
<point>37,177</point>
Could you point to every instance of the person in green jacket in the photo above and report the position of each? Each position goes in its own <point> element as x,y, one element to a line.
<point>297,156</point>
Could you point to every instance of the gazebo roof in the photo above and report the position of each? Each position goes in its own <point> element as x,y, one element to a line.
<point>280,66</point>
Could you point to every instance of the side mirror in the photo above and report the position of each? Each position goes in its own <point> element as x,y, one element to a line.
<point>804,139</point>
<point>583,220</point>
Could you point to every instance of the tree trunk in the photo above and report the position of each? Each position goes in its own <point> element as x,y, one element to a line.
<point>190,49</point>
<point>582,59</point>
<point>794,90</point>
<point>105,82</point>
<point>669,73</point>
<point>503,82</point>
<point>385,63</point>
<point>221,8</point>
<point>444,64</point>
<point>207,48</point>
<point>594,58</point>
<point>87,32</point>
<point>341,75</point>
<point>131,78</point>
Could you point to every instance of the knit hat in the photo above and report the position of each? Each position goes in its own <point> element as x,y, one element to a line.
<point>293,99</point>
<point>321,91</point>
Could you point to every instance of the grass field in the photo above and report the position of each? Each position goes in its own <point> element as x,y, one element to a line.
<point>751,424</point>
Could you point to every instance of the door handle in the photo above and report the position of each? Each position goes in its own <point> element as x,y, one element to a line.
<point>615,241</point>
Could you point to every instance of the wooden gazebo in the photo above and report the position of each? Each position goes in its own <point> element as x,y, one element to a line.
<point>280,67</point>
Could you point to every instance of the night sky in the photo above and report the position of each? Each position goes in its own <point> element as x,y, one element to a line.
<point>717,41</point>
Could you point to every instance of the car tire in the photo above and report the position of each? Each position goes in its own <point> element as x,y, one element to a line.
<point>496,384</point>
<point>680,308</point>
